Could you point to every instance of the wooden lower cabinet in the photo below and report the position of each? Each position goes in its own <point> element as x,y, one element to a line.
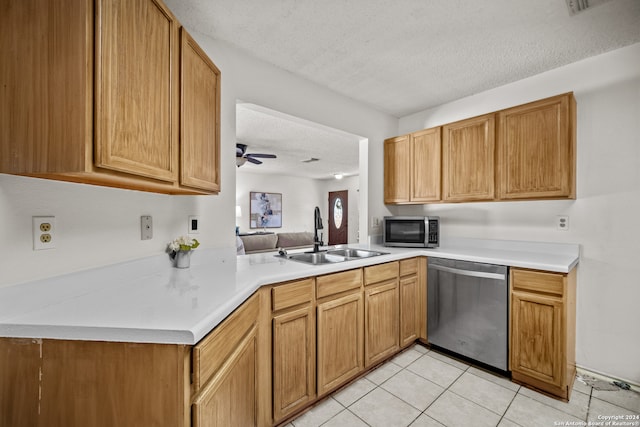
<point>230,398</point>
<point>294,347</point>
<point>340,345</point>
<point>92,384</point>
<point>231,369</point>
<point>381,312</point>
<point>410,301</point>
<point>542,343</point>
<point>381,321</point>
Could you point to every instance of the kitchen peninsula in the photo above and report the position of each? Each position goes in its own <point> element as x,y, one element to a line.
<point>165,330</point>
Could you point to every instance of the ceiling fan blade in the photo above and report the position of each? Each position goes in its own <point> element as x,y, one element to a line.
<point>262,156</point>
<point>252,160</point>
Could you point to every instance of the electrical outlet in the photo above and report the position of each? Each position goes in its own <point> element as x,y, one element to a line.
<point>375,221</point>
<point>146,227</point>
<point>193,225</point>
<point>562,222</point>
<point>44,232</point>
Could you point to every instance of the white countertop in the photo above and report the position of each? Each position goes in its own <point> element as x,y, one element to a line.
<point>149,301</point>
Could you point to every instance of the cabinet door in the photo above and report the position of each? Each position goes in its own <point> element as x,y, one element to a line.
<point>536,336</point>
<point>340,341</point>
<point>199,118</point>
<point>468,159</point>
<point>397,171</point>
<point>229,399</point>
<point>425,165</point>
<point>136,90</point>
<point>381,324</point>
<point>409,310</point>
<point>293,361</point>
<point>536,149</point>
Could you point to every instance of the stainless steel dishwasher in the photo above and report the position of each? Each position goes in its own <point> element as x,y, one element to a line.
<point>467,309</point>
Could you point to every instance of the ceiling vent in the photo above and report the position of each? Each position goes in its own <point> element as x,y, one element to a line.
<point>577,6</point>
<point>310,160</point>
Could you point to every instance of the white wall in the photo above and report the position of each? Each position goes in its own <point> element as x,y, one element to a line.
<point>603,218</point>
<point>99,226</point>
<point>352,185</point>
<point>300,196</point>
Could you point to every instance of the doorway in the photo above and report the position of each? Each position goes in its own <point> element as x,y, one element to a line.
<point>338,217</point>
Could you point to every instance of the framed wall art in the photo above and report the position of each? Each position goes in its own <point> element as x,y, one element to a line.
<point>266,210</point>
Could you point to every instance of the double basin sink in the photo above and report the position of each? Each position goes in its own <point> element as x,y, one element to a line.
<point>332,255</point>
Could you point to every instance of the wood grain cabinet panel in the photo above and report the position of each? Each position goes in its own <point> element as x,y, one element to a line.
<point>397,170</point>
<point>412,165</point>
<point>199,118</point>
<point>294,346</point>
<point>136,91</point>
<point>294,356</point>
<point>381,321</point>
<point>92,95</point>
<point>212,351</point>
<point>409,310</point>
<point>542,342</point>
<point>536,149</point>
<point>426,162</point>
<point>230,398</point>
<point>468,150</point>
<point>20,368</point>
<point>340,341</point>
<point>380,272</point>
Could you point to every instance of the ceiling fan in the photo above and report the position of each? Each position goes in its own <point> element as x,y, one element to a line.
<point>242,156</point>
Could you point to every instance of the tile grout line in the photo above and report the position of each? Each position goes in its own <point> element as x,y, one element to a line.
<point>443,391</point>
<point>508,406</point>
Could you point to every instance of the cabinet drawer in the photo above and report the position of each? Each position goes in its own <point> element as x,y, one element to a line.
<point>380,272</point>
<point>214,349</point>
<point>408,266</point>
<point>537,281</point>
<point>338,282</point>
<point>291,294</point>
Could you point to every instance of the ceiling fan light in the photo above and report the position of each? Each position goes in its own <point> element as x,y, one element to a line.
<point>240,161</point>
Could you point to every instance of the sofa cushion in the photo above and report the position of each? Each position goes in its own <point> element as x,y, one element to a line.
<point>259,242</point>
<point>292,240</point>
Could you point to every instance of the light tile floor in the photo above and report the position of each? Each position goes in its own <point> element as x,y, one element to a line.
<point>423,388</point>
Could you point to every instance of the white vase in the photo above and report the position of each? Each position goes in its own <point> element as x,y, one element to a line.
<point>183,259</point>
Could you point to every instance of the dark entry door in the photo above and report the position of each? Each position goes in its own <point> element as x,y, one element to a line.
<point>338,217</point>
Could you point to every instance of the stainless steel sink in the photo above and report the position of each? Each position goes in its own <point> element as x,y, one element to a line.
<point>316,258</point>
<point>355,253</point>
<point>331,256</point>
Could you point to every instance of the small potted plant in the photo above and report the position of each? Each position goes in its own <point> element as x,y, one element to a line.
<point>180,250</point>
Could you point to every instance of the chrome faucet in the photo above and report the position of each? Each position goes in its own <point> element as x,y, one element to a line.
<point>317,225</point>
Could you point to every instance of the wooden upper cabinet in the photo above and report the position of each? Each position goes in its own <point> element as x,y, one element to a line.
<point>536,149</point>
<point>397,170</point>
<point>425,165</point>
<point>468,159</point>
<point>91,94</point>
<point>199,118</point>
<point>136,92</point>
<point>46,87</point>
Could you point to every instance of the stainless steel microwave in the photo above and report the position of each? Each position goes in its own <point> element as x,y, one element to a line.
<point>411,231</point>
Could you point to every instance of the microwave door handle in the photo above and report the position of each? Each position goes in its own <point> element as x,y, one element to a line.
<point>480,274</point>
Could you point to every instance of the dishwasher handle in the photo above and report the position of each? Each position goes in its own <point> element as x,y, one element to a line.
<point>470,273</point>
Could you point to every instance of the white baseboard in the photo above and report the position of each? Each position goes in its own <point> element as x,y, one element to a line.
<point>606,377</point>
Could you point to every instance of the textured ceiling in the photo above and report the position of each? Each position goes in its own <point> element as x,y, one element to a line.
<point>293,140</point>
<point>403,56</point>
<point>400,56</point>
